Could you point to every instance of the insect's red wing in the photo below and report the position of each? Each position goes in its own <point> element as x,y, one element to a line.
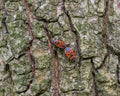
<point>59,44</point>
<point>70,54</point>
<point>67,55</point>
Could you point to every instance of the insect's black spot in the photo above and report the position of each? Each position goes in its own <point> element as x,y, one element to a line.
<point>68,54</point>
<point>71,52</point>
<point>71,55</point>
<point>57,42</point>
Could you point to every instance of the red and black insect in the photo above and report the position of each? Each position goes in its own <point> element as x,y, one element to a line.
<point>70,54</point>
<point>59,43</point>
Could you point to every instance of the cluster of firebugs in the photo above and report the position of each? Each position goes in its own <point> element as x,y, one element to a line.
<point>70,54</point>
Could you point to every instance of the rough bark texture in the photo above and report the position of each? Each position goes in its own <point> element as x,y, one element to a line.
<point>30,65</point>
